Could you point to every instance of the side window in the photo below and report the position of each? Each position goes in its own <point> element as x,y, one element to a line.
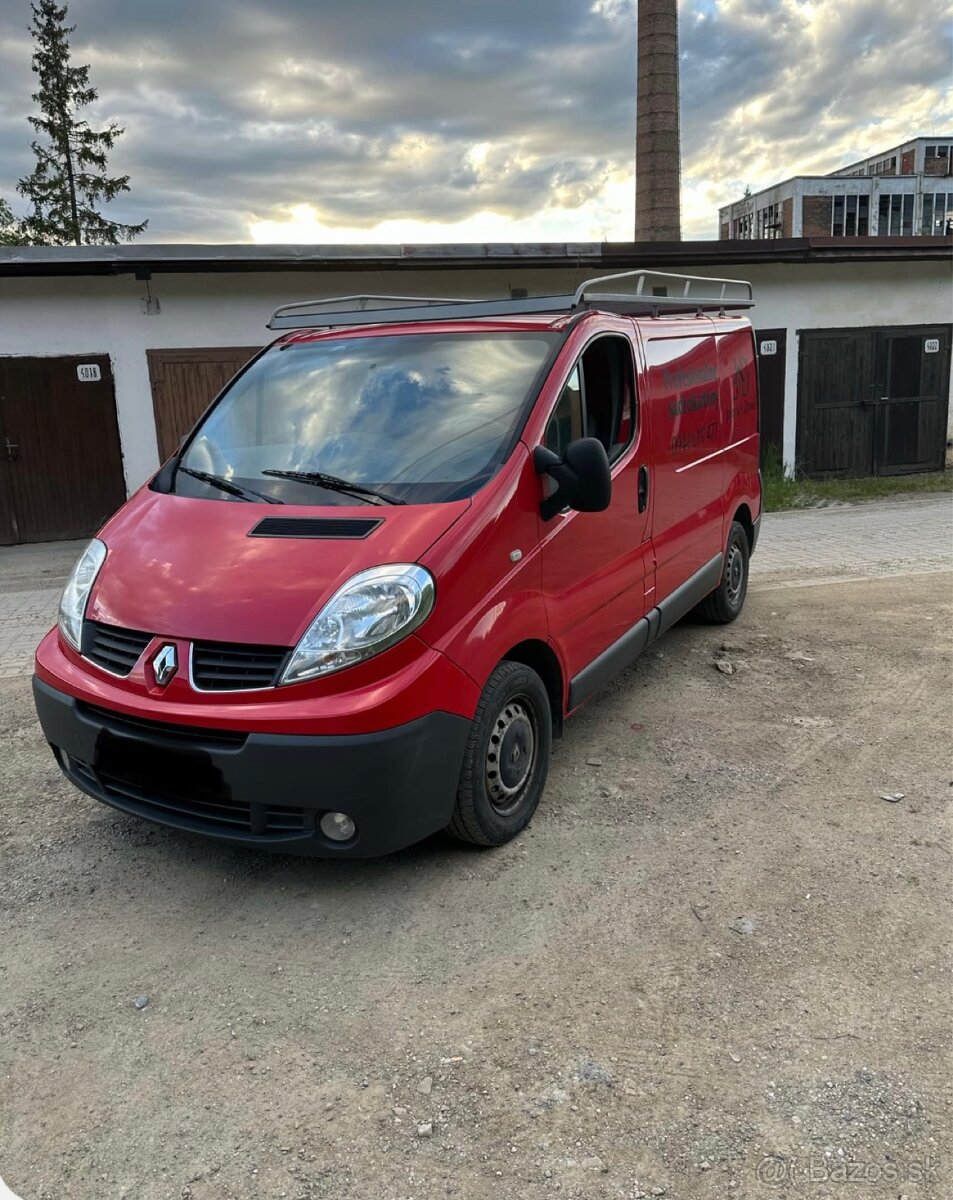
<point>566,424</point>
<point>609,393</point>
<point>598,399</point>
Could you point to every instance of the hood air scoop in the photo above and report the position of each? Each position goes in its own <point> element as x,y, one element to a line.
<point>315,527</point>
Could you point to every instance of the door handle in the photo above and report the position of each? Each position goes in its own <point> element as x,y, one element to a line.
<point>12,449</point>
<point>643,488</point>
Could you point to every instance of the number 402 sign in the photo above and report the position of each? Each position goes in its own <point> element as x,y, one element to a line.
<point>88,373</point>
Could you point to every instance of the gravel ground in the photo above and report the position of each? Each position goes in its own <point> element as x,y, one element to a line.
<point>716,965</point>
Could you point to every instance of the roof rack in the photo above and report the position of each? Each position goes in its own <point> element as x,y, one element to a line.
<point>650,292</point>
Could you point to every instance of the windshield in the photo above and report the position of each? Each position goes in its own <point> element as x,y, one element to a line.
<point>416,418</point>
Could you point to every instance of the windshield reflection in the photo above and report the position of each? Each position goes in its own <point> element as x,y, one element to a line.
<point>424,416</point>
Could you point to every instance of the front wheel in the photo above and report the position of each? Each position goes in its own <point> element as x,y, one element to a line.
<point>506,759</point>
<point>727,600</point>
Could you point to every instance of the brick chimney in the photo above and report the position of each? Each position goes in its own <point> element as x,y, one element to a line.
<point>657,147</point>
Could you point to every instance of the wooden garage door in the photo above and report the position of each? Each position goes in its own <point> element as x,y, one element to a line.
<point>60,462</point>
<point>873,401</point>
<point>185,382</point>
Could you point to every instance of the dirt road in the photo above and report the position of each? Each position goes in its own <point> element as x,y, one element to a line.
<point>716,965</point>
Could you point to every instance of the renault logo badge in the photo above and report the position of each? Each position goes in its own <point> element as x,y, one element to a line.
<point>165,664</point>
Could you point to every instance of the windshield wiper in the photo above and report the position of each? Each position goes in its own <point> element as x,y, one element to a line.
<point>334,484</point>
<point>233,489</point>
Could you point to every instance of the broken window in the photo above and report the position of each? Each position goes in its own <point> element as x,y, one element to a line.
<point>850,216</point>
<point>937,215</point>
<point>896,214</point>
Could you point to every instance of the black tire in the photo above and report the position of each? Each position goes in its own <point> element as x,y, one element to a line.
<point>495,800</point>
<point>725,603</point>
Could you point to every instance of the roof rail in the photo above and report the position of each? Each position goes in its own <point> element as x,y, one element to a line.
<point>650,292</point>
<point>382,310</point>
<point>668,291</point>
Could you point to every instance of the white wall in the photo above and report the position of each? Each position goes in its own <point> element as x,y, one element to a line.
<point>87,315</point>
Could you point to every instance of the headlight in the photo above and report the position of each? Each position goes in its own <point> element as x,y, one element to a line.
<point>76,592</point>
<point>370,612</point>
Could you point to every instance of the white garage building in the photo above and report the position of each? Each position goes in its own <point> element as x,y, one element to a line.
<point>108,354</point>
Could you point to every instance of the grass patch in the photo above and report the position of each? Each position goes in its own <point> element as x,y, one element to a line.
<point>781,492</point>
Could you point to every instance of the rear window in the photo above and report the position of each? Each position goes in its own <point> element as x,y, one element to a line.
<point>420,417</point>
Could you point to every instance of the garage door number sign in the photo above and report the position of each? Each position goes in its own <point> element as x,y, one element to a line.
<point>931,345</point>
<point>88,373</point>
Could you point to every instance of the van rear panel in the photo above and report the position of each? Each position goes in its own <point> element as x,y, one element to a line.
<point>741,415</point>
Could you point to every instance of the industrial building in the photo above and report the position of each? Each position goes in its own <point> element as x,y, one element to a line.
<point>903,192</point>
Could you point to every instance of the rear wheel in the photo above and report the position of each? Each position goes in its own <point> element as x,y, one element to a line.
<point>728,598</point>
<point>506,759</point>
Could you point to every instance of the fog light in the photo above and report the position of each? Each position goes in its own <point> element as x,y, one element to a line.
<point>338,827</point>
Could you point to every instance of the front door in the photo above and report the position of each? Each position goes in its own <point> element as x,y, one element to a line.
<point>597,566</point>
<point>60,461</point>
<point>873,401</point>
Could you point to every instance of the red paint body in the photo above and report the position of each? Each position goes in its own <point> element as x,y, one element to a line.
<point>187,569</point>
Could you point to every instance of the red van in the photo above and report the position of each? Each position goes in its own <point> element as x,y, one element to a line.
<point>487,510</point>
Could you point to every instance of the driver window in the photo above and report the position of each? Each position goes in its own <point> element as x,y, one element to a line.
<point>609,393</point>
<point>598,399</point>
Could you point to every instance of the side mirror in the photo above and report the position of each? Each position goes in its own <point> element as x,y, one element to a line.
<point>582,475</point>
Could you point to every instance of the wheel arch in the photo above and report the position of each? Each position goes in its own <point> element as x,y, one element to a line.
<point>540,657</point>
<point>744,519</point>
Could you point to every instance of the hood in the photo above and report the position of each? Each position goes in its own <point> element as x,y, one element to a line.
<point>187,568</point>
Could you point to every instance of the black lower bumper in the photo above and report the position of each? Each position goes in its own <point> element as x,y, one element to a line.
<point>263,790</point>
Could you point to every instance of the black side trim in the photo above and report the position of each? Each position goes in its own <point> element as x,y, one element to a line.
<point>315,527</point>
<point>609,663</point>
<point>688,594</point>
<point>755,531</point>
<point>623,652</point>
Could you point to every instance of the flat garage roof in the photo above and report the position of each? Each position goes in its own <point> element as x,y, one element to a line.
<point>173,257</point>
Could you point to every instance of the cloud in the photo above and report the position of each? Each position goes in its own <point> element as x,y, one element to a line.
<point>444,120</point>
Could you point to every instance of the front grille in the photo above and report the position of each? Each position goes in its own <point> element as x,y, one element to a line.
<point>183,796</point>
<point>216,666</point>
<point>114,649</point>
<point>228,667</point>
<point>184,735</point>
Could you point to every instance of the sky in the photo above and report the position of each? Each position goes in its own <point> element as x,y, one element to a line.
<point>382,121</point>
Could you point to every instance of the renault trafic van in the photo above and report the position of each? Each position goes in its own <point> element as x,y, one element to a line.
<point>405,543</point>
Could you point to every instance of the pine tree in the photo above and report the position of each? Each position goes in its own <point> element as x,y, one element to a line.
<point>70,179</point>
<point>10,233</point>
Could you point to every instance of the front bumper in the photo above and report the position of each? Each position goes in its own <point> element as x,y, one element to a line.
<point>258,789</point>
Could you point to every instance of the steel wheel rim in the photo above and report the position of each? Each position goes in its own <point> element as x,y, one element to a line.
<point>511,754</point>
<point>735,575</point>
